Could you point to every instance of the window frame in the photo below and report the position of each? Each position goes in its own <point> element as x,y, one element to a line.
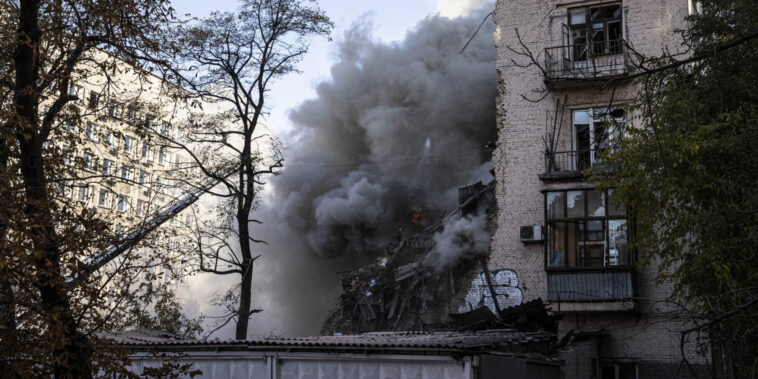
<point>631,254</point>
<point>587,27</point>
<point>614,131</point>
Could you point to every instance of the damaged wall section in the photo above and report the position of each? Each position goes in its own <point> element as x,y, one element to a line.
<point>428,274</point>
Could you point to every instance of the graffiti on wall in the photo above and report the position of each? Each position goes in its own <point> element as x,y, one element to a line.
<point>505,282</point>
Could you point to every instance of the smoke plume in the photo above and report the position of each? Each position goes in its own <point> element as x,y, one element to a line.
<point>391,136</point>
<point>465,236</point>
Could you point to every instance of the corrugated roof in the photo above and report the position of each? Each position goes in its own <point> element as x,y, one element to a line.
<point>501,339</point>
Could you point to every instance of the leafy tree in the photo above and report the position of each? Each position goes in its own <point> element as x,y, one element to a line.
<point>50,312</point>
<point>167,316</point>
<point>689,174</point>
<point>231,59</point>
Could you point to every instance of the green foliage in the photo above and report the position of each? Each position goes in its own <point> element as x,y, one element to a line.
<point>167,317</point>
<point>689,174</point>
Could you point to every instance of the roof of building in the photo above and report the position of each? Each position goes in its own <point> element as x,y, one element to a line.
<point>506,340</point>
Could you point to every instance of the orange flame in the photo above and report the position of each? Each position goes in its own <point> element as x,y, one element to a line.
<point>418,218</point>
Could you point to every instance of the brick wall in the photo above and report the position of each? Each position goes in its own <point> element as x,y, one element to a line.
<point>648,334</point>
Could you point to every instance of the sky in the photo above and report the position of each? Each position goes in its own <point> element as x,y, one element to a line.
<point>390,20</point>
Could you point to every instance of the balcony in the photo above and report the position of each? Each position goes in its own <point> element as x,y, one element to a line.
<point>569,165</point>
<point>591,289</point>
<point>591,61</point>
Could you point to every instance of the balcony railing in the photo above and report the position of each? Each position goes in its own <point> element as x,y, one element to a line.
<point>601,285</point>
<point>572,161</point>
<point>590,60</point>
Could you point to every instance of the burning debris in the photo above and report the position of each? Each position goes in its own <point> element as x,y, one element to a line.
<point>385,143</point>
<point>413,286</point>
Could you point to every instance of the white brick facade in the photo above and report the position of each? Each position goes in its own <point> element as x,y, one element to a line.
<point>645,334</point>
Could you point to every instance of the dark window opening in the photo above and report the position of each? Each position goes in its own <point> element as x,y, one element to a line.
<point>595,31</point>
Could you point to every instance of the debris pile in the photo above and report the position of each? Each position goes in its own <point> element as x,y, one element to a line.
<point>408,288</point>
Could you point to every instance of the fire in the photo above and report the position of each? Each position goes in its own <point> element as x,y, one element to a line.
<point>418,217</point>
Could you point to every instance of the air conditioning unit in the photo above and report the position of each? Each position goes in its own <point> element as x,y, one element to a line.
<point>531,233</point>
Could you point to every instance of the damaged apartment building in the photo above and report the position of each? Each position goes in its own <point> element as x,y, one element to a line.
<point>564,70</point>
<point>558,257</point>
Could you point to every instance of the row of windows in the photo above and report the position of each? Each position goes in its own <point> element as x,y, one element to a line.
<point>128,113</point>
<point>128,144</point>
<point>105,198</point>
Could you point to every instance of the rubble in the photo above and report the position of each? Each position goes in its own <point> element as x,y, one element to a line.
<point>400,291</point>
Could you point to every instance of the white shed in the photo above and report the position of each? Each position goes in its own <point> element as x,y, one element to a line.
<point>502,353</point>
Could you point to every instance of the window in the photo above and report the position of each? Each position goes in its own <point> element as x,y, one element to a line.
<point>69,127</point>
<point>585,228</point>
<point>594,31</point>
<point>179,134</point>
<point>595,131</point>
<point>104,199</point>
<point>164,129</point>
<point>122,203</point>
<point>142,178</point>
<point>87,161</point>
<point>112,108</point>
<point>149,121</point>
<point>158,185</point>
<point>126,173</point>
<point>81,194</point>
<point>141,208</point>
<point>162,155</point>
<point>695,7</point>
<point>107,168</point>
<point>129,144</point>
<point>94,98</point>
<point>75,90</point>
<point>90,132</point>
<point>147,151</point>
<point>131,113</point>
<point>65,154</point>
<point>110,138</point>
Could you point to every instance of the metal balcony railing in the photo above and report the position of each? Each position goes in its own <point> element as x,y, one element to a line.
<point>572,160</point>
<point>599,285</point>
<point>590,60</point>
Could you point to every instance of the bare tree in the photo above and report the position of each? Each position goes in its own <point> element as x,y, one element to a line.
<point>231,59</point>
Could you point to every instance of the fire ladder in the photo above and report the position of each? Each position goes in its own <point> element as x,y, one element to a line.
<point>162,215</point>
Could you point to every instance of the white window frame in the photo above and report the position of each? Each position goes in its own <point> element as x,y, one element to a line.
<point>82,191</point>
<point>90,131</point>
<point>107,167</point>
<point>122,203</point>
<point>87,163</point>
<point>104,198</point>
<point>593,115</point>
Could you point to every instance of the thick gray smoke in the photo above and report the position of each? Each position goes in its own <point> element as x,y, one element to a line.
<point>466,236</point>
<point>389,139</point>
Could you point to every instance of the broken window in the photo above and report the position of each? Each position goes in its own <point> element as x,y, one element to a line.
<point>595,131</point>
<point>595,31</point>
<point>585,228</point>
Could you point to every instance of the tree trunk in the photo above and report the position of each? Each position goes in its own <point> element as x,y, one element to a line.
<point>243,314</point>
<point>71,350</point>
